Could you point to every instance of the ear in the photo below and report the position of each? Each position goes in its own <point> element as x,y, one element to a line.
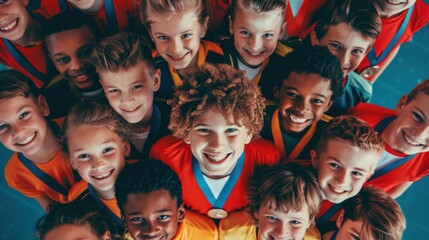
<point>248,138</point>
<point>313,155</point>
<point>276,92</point>
<point>256,217</point>
<point>127,148</point>
<point>329,105</point>
<point>181,212</point>
<point>106,236</point>
<point>340,219</point>
<point>401,104</point>
<point>282,30</point>
<point>313,39</point>
<point>231,29</point>
<point>157,80</point>
<point>204,27</point>
<point>187,139</point>
<point>44,107</point>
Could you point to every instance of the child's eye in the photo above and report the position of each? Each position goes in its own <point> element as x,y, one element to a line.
<point>417,117</point>
<point>63,60</point>
<point>295,222</point>
<point>162,38</point>
<point>231,130</point>
<point>357,51</point>
<point>3,127</point>
<point>186,35</point>
<point>272,218</point>
<point>83,157</point>
<point>164,218</point>
<point>136,87</point>
<point>267,35</point>
<point>113,91</point>
<point>245,33</point>
<point>203,130</point>
<point>291,95</point>
<point>23,115</point>
<point>136,220</point>
<point>334,165</point>
<point>3,1</point>
<point>318,101</point>
<point>357,174</point>
<point>335,46</point>
<point>108,149</point>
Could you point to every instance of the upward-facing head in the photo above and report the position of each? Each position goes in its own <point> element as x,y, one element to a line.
<point>311,80</point>
<point>149,195</point>
<point>389,9</point>
<point>128,75</point>
<point>176,27</point>
<point>15,20</point>
<point>409,132</point>
<point>70,37</point>
<point>216,100</point>
<point>348,28</point>
<point>370,215</point>
<point>345,157</point>
<point>284,200</point>
<point>97,141</point>
<point>23,127</point>
<point>256,26</point>
<point>75,220</point>
<point>87,6</point>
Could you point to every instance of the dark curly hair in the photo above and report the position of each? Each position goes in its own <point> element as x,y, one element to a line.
<point>353,130</point>
<point>314,60</point>
<point>217,87</point>
<point>147,177</point>
<point>287,186</point>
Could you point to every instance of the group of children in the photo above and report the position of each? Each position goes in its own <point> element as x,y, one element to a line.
<point>245,138</point>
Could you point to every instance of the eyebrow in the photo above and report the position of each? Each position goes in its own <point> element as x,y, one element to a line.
<point>186,31</point>
<point>317,94</point>
<point>354,168</point>
<point>105,142</point>
<point>157,211</point>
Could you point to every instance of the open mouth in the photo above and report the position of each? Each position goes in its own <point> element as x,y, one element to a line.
<point>217,159</point>
<point>411,141</point>
<point>154,238</point>
<point>10,26</point>
<point>27,140</point>
<point>297,120</point>
<point>336,189</point>
<point>103,175</point>
<point>81,78</point>
<point>178,58</point>
<point>131,110</point>
<point>275,238</point>
<point>254,54</point>
<point>393,2</point>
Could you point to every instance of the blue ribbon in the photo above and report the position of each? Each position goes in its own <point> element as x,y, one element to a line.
<point>103,207</point>
<point>226,190</point>
<point>112,23</point>
<point>45,178</point>
<point>334,236</point>
<point>155,124</point>
<point>371,55</point>
<point>329,214</point>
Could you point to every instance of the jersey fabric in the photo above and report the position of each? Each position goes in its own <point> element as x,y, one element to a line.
<point>178,155</point>
<point>20,178</point>
<point>390,26</point>
<point>34,55</point>
<point>48,8</point>
<point>270,70</point>
<point>412,170</point>
<point>208,52</point>
<point>195,227</point>
<point>300,25</point>
<point>356,90</point>
<point>327,216</point>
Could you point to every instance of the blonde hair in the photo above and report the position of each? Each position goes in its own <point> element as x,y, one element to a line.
<point>93,113</point>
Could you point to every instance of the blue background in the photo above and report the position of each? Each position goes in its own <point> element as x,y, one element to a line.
<point>18,214</point>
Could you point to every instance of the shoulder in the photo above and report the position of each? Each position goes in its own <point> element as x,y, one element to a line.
<point>262,151</point>
<point>371,113</point>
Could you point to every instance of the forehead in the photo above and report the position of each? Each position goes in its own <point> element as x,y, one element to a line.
<point>153,201</point>
<point>271,206</point>
<point>249,18</point>
<point>71,40</point>
<point>174,20</point>
<point>308,82</point>
<point>99,134</point>
<point>346,35</point>
<point>213,118</point>
<point>124,77</point>
<point>14,104</point>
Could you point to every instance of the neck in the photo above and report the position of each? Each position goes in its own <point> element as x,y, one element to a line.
<point>106,195</point>
<point>144,124</point>
<point>33,34</point>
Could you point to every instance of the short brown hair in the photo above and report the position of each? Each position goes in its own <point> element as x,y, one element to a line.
<point>421,87</point>
<point>93,113</point>
<point>381,215</point>
<point>361,15</point>
<point>353,130</point>
<point>289,186</point>
<point>217,87</point>
<point>260,6</point>
<point>173,7</point>
<point>14,83</point>
<point>121,52</point>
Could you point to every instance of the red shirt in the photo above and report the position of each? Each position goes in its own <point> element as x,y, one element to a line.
<point>301,25</point>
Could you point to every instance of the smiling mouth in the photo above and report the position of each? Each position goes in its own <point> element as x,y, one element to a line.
<point>103,175</point>
<point>254,54</point>
<point>393,2</point>
<point>411,141</point>
<point>8,27</point>
<point>297,120</point>
<point>27,140</point>
<point>336,189</point>
<point>217,158</point>
<point>131,110</point>
<point>179,57</point>
<point>287,238</point>
<point>154,238</point>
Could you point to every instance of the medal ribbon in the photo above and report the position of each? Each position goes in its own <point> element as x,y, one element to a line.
<point>380,172</point>
<point>112,23</point>
<point>50,68</point>
<point>202,53</point>
<point>334,236</point>
<point>227,188</point>
<point>278,139</point>
<point>256,79</point>
<point>371,55</point>
<point>45,178</point>
<point>155,124</point>
<point>330,212</point>
<point>103,207</point>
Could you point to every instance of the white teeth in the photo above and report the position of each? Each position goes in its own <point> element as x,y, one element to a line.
<point>217,158</point>
<point>394,2</point>
<point>410,141</point>
<point>28,139</point>
<point>103,175</point>
<point>337,190</point>
<point>80,77</point>
<point>178,57</point>
<point>296,119</point>
<point>9,26</point>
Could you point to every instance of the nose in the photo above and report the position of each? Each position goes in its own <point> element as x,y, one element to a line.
<point>76,63</point>
<point>283,230</point>
<point>255,43</point>
<point>217,141</point>
<point>345,59</point>
<point>422,132</point>
<point>150,229</point>
<point>302,105</point>
<point>126,97</point>
<point>341,178</point>
<point>97,162</point>
<point>17,130</point>
<point>176,46</point>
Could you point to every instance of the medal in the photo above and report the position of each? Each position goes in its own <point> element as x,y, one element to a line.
<point>369,71</point>
<point>217,213</point>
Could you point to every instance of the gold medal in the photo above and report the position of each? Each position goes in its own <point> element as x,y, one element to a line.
<point>217,213</point>
<point>370,71</point>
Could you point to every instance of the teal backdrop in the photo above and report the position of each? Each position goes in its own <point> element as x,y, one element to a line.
<point>19,214</point>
